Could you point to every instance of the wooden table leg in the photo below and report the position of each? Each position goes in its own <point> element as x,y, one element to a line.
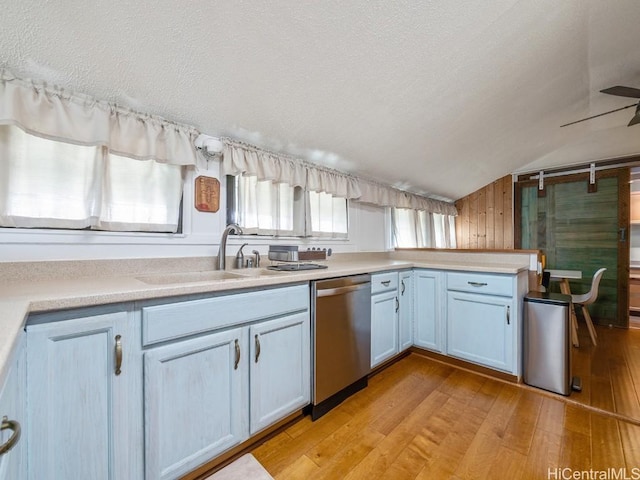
<point>564,288</point>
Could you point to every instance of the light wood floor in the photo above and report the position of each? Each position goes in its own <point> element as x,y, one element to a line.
<point>420,419</point>
<point>610,371</point>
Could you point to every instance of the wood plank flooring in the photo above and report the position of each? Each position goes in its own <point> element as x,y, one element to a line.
<point>610,371</point>
<point>420,419</point>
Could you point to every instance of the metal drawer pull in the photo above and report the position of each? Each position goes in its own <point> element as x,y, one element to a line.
<point>402,283</point>
<point>386,283</point>
<point>257,348</point>
<point>478,284</point>
<point>397,305</point>
<point>235,365</point>
<point>118,354</point>
<point>15,436</point>
<point>508,315</point>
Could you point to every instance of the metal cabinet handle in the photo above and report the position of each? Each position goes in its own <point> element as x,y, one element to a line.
<point>14,426</point>
<point>237,347</point>
<point>397,305</point>
<point>386,283</point>
<point>508,315</point>
<point>403,287</point>
<point>118,354</point>
<point>257,348</point>
<point>478,284</point>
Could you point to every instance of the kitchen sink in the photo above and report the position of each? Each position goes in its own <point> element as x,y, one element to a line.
<point>190,277</point>
<point>256,272</point>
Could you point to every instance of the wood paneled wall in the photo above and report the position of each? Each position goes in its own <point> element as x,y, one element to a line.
<point>485,217</point>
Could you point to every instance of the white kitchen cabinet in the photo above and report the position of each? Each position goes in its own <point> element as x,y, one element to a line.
<point>231,366</point>
<point>406,311</point>
<point>384,317</point>
<point>480,329</point>
<point>429,321</point>
<point>13,402</point>
<point>483,318</point>
<point>195,401</point>
<point>279,368</point>
<point>85,396</point>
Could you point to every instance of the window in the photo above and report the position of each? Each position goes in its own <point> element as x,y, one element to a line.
<point>51,184</point>
<point>328,215</point>
<point>262,207</point>
<point>422,229</point>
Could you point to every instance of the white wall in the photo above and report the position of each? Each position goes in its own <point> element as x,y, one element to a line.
<point>368,231</point>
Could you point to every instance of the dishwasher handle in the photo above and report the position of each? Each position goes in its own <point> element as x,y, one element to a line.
<point>330,292</point>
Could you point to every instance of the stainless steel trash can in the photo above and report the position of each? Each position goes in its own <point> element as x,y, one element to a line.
<point>547,341</point>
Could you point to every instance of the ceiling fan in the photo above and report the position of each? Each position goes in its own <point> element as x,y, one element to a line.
<point>620,92</point>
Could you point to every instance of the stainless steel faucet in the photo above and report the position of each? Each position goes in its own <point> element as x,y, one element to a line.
<point>222,251</point>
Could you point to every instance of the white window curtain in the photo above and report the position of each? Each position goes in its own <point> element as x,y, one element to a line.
<point>422,229</point>
<point>68,160</point>
<point>51,184</point>
<point>58,114</point>
<point>266,208</point>
<point>328,215</point>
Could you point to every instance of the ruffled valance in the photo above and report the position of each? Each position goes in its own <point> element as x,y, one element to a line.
<point>54,113</point>
<point>241,158</point>
<point>386,196</point>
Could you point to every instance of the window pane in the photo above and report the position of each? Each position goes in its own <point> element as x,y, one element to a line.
<point>404,226</point>
<point>264,208</point>
<point>51,184</point>
<point>328,215</point>
<point>46,183</point>
<point>439,230</point>
<point>140,195</point>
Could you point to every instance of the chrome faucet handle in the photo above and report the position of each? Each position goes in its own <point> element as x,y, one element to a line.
<point>240,256</point>
<point>257,261</point>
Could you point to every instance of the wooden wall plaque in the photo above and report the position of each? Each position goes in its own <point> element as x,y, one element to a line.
<point>207,194</point>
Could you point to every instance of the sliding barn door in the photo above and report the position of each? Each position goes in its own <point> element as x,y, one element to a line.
<point>582,230</point>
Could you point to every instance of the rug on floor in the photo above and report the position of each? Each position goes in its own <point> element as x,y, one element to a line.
<point>245,467</point>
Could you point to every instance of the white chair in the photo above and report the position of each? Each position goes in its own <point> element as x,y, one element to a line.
<point>587,299</point>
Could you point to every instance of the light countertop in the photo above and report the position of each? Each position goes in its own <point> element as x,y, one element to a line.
<point>48,286</point>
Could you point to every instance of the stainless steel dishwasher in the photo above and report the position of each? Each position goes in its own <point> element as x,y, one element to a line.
<point>341,336</point>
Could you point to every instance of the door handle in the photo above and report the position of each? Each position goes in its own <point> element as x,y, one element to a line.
<point>478,284</point>
<point>329,292</point>
<point>397,305</point>
<point>386,283</point>
<point>508,315</point>
<point>623,234</point>
<point>257,348</point>
<point>118,352</point>
<point>403,287</point>
<point>237,347</point>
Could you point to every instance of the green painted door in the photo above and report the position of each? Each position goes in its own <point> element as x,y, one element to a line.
<point>578,230</point>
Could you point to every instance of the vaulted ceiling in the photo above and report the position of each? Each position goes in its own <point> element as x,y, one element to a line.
<point>433,96</point>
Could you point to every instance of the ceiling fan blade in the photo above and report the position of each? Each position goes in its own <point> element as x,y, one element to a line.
<point>636,118</point>
<point>622,91</point>
<point>601,114</point>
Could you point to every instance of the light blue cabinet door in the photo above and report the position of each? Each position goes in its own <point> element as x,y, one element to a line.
<point>13,401</point>
<point>480,329</point>
<point>428,322</point>
<point>85,420</point>
<point>279,369</point>
<point>384,326</point>
<point>195,401</point>
<point>405,320</point>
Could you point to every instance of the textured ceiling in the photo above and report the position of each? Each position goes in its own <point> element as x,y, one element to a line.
<point>437,97</point>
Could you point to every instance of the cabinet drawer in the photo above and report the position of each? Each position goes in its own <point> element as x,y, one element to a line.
<point>382,282</point>
<point>484,283</point>
<point>175,320</point>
